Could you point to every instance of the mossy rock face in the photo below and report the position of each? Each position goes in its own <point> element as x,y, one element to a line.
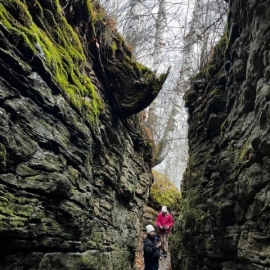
<point>224,216</point>
<point>57,45</point>
<point>164,192</point>
<point>74,172</point>
<point>3,154</point>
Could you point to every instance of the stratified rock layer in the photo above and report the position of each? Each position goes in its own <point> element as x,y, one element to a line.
<point>225,217</point>
<point>74,167</point>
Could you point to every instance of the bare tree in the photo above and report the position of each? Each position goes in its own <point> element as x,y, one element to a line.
<point>177,33</point>
<point>133,24</point>
<point>158,42</point>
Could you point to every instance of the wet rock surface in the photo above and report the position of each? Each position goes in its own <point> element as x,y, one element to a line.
<point>224,223</point>
<point>74,171</point>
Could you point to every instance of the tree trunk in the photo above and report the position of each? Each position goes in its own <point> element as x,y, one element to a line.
<point>160,25</point>
<point>133,24</point>
<point>206,21</point>
<point>159,37</point>
<point>163,147</point>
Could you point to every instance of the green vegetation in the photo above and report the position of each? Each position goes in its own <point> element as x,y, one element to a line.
<point>114,47</point>
<point>244,151</point>
<point>3,154</point>
<point>90,259</point>
<point>164,192</point>
<point>96,13</point>
<point>217,54</point>
<point>111,41</point>
<point>42,31</point>
<point>204,73</point>
<point>193,216</point>
<point>191,213</point>
<point>223,42</point>
<point>156,86</point>
<point>14,211</point>
<point>142,69</point>
<point>11,206</point>
<point>139,69</point>
<point>223,126</point>
<point>59,48</point>
<point>216,92</point>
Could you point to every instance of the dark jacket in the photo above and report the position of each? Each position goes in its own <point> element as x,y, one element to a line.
<point>151,253</point>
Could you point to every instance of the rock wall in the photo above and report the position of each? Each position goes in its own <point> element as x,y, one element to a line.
<point>224,223</point>
<point>75,168</point>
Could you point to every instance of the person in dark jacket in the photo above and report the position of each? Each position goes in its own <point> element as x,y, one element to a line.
<point>151,248</point>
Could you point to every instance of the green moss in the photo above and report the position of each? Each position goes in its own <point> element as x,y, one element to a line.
<point>223,126</point>
<point>4,209</point>
<point>16,223</point>
<point>96,13</point>
<point>12,206</point>
<point>91,259</point>
<point>186,95</point>
<point>190,213</point>
<point>217,55</point>
<point>119,40</point>
<point>38,7</point>
<point>14,211</point>
<point>3,154</point>
<point>243,151</point>
<point>192,216</point>
<point>156,86</point>
<point>216,91</point>
<point>223,42</point>
<point>97,237</point>
<point>60,50</point>
<point>164,192</point>
<point>114,47</point>
<point>142,69</point>
<point>221,46</point>
<point>90,8</point>
<point>204,73</point>
<point>19,11</point>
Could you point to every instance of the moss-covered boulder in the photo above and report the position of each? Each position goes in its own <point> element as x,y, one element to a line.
<point>164,192</point>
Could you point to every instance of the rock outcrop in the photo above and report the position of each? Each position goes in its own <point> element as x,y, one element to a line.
<point>224,223</point>
<point>75,168</point>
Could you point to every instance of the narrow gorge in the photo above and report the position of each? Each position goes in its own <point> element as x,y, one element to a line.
<point>76,158</point>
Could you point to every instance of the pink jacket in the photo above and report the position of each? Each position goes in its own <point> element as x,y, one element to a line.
<point>166,220</point>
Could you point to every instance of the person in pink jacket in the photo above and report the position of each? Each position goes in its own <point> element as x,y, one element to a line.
<point>164,222</point>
